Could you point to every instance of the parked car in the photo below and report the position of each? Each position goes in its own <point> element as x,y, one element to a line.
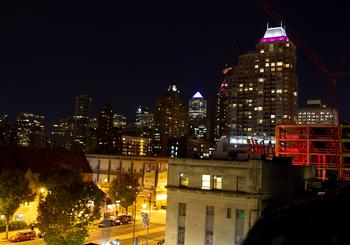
<point>124,219</point>
<point>117,221</point>
<point>106,223</point>
<point>23,236</point>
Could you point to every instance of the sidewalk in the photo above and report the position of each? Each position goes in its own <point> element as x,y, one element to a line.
<point>142,233</point>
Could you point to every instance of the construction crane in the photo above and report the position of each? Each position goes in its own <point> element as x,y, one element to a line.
<point>331,74</point>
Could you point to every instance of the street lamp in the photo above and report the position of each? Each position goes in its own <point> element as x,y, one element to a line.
<point>134,241</point>
<point>149,195</point>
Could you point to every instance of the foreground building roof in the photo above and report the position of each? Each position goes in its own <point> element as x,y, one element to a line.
<point>41,160</point>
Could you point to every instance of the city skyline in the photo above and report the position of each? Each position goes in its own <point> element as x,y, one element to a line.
<point>52,53</point>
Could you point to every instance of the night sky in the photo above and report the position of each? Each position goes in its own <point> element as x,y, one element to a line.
<point>51,52</point>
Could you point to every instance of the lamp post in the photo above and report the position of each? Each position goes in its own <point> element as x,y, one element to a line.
<point>149,195</point>
<point>133,231</point>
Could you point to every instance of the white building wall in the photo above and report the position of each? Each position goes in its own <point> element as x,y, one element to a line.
<point>196,203</point>
<point>197,199</point>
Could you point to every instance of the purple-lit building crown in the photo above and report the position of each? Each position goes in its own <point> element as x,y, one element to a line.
<point>274,34</point>
<point>263,88</point>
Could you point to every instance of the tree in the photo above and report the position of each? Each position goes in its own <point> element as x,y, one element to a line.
<point>124,188</point>
<point>14,190</point>
<point>68,207</point>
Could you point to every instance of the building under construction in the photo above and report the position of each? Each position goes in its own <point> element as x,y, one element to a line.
<point>313,145</point>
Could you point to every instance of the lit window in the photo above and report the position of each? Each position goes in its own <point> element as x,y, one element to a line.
<point>262,70</point>
<point>241,183</point>
<point>273,69</point>
<point>241,85</point>
<point>287,44</point>
<point>217,182</point>
<point>295,93</point>
<point>279,63</point>
<point>287,65</point>
<point>183,179</point>
<point>279,91</point>
<point>261,80</point>
<point>256,66</point>
<point>272,116</point>
<point>262,51</point>
<point>273,64</point>
<point>206,182</point>
<point>267,64</point>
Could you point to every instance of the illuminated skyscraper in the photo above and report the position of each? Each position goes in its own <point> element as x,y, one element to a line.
<point>316,113</point>
<point>263,88</point>
<point>62,133</point>
<point>30,130</point>
<point>197,116</point>
<point>144,119</point>
<point>105,125</point>
<point>7,131</point>
<point>119,121</point>
<point>170,119</point>
<point>82,113</point>
<point>219,119</point>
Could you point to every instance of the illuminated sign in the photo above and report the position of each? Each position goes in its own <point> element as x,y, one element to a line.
<point>259,148</point>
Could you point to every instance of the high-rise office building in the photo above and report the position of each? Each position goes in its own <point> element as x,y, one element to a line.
<point>82,106</point>
<point>144,119</point>
<point>7,131</point>
<point>219,118</point>
<point>145,125</point>
<point>62,133</point>
<point>82,113</point>
<point>316,113</point>
<point>170,119</point>
<point>197,117</point>
<point>105,125</point>
<point>263,88</point>
<point>30,130</point>
<point>119,121</point>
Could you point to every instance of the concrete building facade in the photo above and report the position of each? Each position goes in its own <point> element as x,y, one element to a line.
<point>317,113</point>
<point>152,173</point>
<point>217,202</point>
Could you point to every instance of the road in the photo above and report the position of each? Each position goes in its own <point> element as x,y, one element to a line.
<point>124,233</point>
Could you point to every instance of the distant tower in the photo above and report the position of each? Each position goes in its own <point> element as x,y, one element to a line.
<point>170,120</point>
<point>82,113</point>
<point>62,133</point>
<point>82,106</point>
<point>119,121</point>
<point>144,119</point>
<point>105,125</point>
<point>197,116</point>
<point>317,114</point>
<point>7,131</point>
<point>263,88</point>
<point>219,119</point>
<point>30,130</point>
